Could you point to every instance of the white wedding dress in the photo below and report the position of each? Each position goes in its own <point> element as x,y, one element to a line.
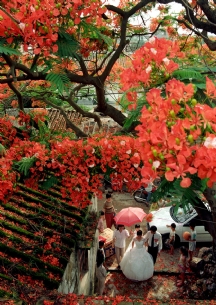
<point>137,264</point>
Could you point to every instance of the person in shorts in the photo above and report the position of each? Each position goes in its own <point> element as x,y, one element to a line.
<point>171,240</point>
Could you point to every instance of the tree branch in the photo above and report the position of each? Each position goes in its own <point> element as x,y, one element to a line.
<point>125,16</point>
<point>35,59</point>
<point>18,94</point>
<point>79,133</point>
<point>11,17</point>
<point>83,112</point>
<point>83,66</point>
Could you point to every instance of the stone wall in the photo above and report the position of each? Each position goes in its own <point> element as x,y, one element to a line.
<point>73,281</point>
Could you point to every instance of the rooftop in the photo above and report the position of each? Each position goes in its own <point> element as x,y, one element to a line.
<point>38,232</point>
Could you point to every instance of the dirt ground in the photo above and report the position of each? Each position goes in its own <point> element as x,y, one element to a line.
<point>162,286</point>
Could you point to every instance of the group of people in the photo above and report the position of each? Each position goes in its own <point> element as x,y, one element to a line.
<point>137,263</point>
<point>184,262</point>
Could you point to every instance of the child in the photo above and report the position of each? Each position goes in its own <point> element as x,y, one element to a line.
<point>182,265</point>
<point>192,241</point>
<point>100,225</point>
<point>172,237</point>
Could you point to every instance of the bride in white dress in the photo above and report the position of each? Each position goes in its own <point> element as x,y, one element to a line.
<point>137,264</point>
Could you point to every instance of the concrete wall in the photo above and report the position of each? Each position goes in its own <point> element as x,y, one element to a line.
<point>71,281</point>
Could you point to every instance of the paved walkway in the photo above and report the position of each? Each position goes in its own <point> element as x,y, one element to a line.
<point>162,286</point>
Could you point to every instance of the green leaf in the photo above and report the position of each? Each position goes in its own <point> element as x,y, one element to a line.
<point>25,164</point>
<point>49,182</point>
<point>58,81</point>
<point>105,38</point>
<point>95,33</point>
<point>7,50</point>
<point>134,115</point>
<point>199,85</point>
<point>67,45</point>
<point>188,74</point>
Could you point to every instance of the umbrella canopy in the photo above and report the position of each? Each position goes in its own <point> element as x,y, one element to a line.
<point>130,216</point>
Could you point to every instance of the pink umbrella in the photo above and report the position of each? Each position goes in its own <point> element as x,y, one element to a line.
<point>130,216</point>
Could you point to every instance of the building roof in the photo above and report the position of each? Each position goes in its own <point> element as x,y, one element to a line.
<point>57,121</point>
<point>38,231</point>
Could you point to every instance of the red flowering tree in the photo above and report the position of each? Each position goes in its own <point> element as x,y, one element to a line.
<point>176,134</point>
<point>63,43</point>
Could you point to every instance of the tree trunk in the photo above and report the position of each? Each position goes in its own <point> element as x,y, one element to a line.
<point>107,109</point>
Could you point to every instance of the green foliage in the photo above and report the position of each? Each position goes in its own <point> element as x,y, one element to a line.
<point>43,134</point>
<point>59,81</point>
<point>133,115</point>
<point>179,195</point>
<point>49,182</point>
<point>24,165</point>
<point>67,45</point>
<point>188,74</point>
<point>94,33</point>
<point>2,110</point>
<point>7,50</point>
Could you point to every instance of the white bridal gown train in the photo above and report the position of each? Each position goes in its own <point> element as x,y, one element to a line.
<point>137,264</point>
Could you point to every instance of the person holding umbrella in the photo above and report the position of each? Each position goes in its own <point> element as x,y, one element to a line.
<point>119,236</point>
<point>126,217</point>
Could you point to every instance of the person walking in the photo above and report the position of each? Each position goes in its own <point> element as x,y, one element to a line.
<point>134,233</point>
<point>100,225</point>
<point>192,241</point>
<point>100,269</point>
<point>137,264</point>
<point>109,211</point>
<point>119,237</point>
<point>148,189</point>
<point>182,265</point>
<point>171,240</point>
<point>153,240</point>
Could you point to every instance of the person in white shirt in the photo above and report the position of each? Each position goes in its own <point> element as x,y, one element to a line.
<point>119,237</point>
<point>153,240</point>
<point>148,189</point>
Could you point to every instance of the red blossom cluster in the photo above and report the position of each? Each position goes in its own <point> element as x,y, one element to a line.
<point>37,22</point>
<point>79,165</point>
<point>153,61</point>
<point>177,135</point>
